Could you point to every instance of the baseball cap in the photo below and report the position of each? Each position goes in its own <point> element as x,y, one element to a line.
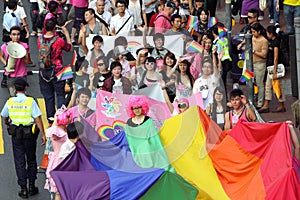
<point>20,82</point>
<point>170,4</point>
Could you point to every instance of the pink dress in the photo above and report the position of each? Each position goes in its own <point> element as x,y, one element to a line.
<point>58,137</point>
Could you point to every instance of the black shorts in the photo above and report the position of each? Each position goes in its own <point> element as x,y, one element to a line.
<point>78,17</point>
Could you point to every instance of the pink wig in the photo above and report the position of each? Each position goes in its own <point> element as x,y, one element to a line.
<point>136,101</point>
<point>63,118</point>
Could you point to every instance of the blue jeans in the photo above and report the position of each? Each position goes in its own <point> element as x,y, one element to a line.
<point>48,88</point>
<point>290,12</point>
<point>272,11</point>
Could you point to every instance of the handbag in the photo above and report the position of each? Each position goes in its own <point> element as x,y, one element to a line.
<point>280,71</point>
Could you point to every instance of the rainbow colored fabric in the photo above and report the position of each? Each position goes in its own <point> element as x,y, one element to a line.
<point>246,76</point>
<point>65,73</point>
<point>252,161</point>
<point>195,47</point>
<point>193,22</point>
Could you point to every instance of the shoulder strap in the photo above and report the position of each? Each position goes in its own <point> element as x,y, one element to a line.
<point>123,25</point>
<point>163,17</point>
<point>53,40</point>
<point>102,21</point>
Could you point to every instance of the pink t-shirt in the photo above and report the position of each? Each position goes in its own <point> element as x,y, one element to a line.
<point>80,3</point>
<point>162,24</point>
<point>89,116</point>
<point>20,66</point>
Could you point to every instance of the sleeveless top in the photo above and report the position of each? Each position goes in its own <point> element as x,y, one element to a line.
<point>234,118</point>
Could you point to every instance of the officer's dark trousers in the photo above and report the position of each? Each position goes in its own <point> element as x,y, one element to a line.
<point>25,159</point>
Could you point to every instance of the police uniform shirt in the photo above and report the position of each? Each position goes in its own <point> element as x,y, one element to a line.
<point>36,112</point>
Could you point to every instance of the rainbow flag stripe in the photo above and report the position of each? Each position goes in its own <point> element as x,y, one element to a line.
<point>195,47</point>
<point>247,75</point>
<point>222,31</point>
<point>193,22</point>
<point>65,73</point>
<point>212,21</point>
<point>74,59</point>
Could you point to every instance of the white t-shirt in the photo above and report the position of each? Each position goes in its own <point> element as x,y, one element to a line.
<point>19,12</point>
<point>66,148</point>
<point>117,87</point>
<point>206,87</point>
<point>117,22</point>
<point>135,8</point>
<point>106,16</point>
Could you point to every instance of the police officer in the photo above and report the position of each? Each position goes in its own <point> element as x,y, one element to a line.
<point>19,114</point>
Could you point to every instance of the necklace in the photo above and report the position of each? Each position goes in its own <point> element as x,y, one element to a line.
<point>238,111</point>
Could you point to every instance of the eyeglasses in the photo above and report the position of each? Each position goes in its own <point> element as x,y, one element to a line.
<point>250,17</point>
<point>136,108</point>
<point>149,63</point>
<point>14,34</point>
<point>182,105</point>
<point>100,64</point>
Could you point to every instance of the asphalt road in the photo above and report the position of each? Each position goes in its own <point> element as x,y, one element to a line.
<point>8,180</point>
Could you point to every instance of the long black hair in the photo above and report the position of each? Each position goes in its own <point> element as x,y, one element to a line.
<point>188,72</point>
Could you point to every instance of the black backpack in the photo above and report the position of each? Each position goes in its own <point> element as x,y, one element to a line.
<point>44,56</point>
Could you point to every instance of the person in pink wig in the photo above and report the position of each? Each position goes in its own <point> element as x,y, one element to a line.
<point>58,135</point>
<point>137,109</point>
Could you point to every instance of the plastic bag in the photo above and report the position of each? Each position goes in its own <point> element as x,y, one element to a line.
<point>262,4</point>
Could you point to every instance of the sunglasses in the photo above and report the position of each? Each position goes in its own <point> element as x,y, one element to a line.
<point>250,17</point>
<point>136,108</point>
<point>14,34</point>
<point>182,105</point>
<point>100,64</point>
<point>149,63</point>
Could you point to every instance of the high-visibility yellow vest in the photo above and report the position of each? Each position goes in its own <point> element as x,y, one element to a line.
<point>20,113</point>
<point>223,42</point>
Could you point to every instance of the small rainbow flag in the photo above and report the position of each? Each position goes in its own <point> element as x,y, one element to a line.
<point>193,22</point>
<point>195,47</point>
<point>74,59</point>
<point>222,31</point>
<point>247,75</point>
<point>65,73</point>
<point>212,21</point>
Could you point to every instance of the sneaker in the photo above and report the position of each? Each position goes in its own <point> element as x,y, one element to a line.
<point>33,33</point>
<point>271,21</point>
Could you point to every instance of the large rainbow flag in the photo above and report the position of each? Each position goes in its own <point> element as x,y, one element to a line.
<point>188,158</point>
